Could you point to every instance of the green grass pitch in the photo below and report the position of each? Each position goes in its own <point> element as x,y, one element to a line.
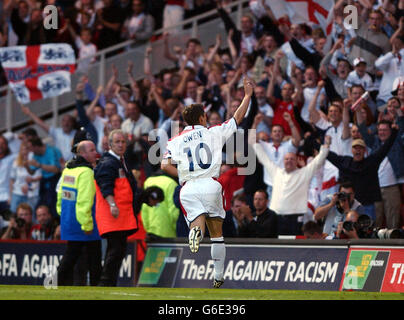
<point>19,292</point>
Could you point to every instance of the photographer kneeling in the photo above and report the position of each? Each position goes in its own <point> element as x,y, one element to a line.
<point>335,208</point>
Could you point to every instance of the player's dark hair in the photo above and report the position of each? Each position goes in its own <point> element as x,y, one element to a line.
<point>36,141</point>
<point>192,113</point>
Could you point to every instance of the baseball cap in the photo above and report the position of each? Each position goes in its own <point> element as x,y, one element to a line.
<point>358,142</point>
<point>397,83</point>
<point>358,61</point>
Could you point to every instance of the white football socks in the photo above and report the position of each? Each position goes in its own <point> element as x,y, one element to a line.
<point>218,253</point>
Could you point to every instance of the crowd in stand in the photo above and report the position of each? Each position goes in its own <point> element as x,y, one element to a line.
<point>350,95</point>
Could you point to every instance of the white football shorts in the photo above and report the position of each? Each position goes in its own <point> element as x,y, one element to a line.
<point>202,196</point>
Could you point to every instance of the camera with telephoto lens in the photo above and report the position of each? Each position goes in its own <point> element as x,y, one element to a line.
<point>389,233</point>
<point>365,229</point>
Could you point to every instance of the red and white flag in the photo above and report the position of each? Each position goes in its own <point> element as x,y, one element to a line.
<point>317,12</point>
<point>38,72</point>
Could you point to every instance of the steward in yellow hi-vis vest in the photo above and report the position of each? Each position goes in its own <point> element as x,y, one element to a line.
<point>76,202</point>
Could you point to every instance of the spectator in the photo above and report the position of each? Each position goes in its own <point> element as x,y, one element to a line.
<point>62,136</point>
<point>363,172</point>
<point>115,208</point>
<point>359,76</point>
<point>347,233</point>
<point>32,32</point>
<point>48,159</point>
<point>335,207</point>
<point>262,222</point>
<point>290,186</point>
<point>370,41</point>
<point>76,208</point>
<point>173,14</point>
<point>109,20</point>
<point>160,219</point>
<point>335,78</point>
<point>290,98</point>
<point>86,48</point>
<point>24,187</point>
<point>19,16</point>
<point>391,65</point>
<point>46,226</point>
<point>140,25</point>
<point>20,224</point>
<point>235,216</point>
<point>390,172</point>
<point>337,129</point>
<point>312,230</point>
<point>6,163</point>
<point>278,147</point>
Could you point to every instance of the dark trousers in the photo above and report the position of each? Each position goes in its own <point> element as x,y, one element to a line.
<point>47,193</point>
<point>83,250</point>
<point>116,251</point>
<point>290,225</point>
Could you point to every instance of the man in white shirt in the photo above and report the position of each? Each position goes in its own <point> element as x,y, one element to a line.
<point>333,127</point>
<point>359,76</point>
<point>197,151</point>
<point>6,163</point>
<point>62,136</point>
<point>278,148</point>
<point>392,66</point>
<point>136,123</point>
<point>290,186</point>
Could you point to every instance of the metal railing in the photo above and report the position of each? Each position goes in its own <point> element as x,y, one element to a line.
<point>12,118</point>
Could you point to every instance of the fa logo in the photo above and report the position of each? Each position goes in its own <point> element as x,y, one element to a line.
<point>51,19</point>
<point>351,20</point>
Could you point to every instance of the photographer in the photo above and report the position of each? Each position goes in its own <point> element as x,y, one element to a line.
<point>46,226</point>
<point>334,208</point>
<point>348,229</point>
<point>20,224</point>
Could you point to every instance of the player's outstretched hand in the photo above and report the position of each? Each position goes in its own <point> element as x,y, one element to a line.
<point>248,86</point>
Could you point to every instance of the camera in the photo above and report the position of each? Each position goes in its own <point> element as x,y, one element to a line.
<point>342,196</point>
<point>390,233</point>
<point>365,229</point>
<point>20,222</point>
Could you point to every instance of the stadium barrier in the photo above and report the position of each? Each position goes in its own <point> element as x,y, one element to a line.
<point>338,265</point>
<point>34,262</point>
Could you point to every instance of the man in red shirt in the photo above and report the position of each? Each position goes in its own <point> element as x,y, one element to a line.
<point>290,98</point>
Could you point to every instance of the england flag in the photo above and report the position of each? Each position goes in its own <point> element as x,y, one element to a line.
<point>38,72</point>
<point>312,12</point>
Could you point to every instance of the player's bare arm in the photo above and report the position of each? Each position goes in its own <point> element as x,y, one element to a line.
<point>248,92</point>
<point>169,168</point>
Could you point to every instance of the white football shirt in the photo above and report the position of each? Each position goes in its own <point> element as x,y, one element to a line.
<point>197,150</point>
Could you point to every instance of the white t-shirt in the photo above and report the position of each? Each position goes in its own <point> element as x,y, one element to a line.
<point>19,175</point>
<point>85,50</point>
<point>290,190</point>
<point>308,94</point>
<point>63,141</point>
<point>354,79</point>
<point>197,150</point>
<point>276,154</point>
<point>386,174</point>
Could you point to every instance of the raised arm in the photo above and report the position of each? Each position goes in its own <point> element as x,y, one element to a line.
<point>248,92</point>
<point>313,112</point>
<point>35,118</point>
<point>346,130</point>
<point>296,137</point>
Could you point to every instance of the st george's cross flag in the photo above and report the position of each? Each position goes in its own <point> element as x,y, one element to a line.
<point>38,72</point>
<point>317,12</point>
